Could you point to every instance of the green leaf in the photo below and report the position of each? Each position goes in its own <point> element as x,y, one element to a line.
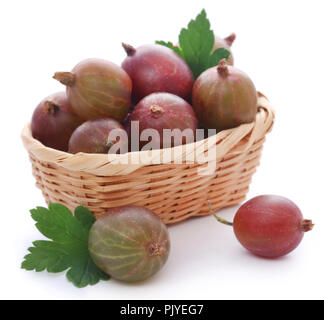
<point>68,249</point>
<point>46,255</point>
<point>85,217</point>
<point>85,273</point>
<point>218,55</point>
<point>171,46</point>
<point>58,223</point>
<point>196,43</point>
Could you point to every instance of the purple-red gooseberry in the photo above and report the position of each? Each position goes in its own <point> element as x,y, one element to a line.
<point>53,122</point>
<point>169,116</point>
<point>99,136</point>
<point>269,226</point>
<point>155,68</point>
<point>224,97</point>
<point>97,88</point>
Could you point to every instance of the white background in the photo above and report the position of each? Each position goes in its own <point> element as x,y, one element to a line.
<point>279,44</point>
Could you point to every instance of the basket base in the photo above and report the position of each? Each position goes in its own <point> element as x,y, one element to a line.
<point>174,192</point>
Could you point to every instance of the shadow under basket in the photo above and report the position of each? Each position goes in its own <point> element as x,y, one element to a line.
<point>175,191</point>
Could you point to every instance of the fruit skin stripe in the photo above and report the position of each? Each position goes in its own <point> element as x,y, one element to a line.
<point>133,271</point>
<point>84,100</point>
<point>103,94</point>
<point>99,110</point>
<point>124,265</point>
<point>160,234</point>
<point>115,257</point>
<point>152,263</point>
<point>112,245</point>
<point>139,229</point>
<point>123,235</point>
<point>145,262</point>
<point>156,260</point>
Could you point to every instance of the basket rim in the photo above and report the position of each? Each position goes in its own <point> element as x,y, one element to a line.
<point>101,164</point>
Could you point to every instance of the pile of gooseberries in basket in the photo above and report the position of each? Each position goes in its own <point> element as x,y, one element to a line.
<point>159,87</point>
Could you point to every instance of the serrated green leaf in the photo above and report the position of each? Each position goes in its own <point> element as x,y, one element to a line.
<point>170,45</point>
<point>58,223</point>
<point>85,216</point>
<point>218,55</point>
<point>196,43</point>
<point>68,249</point>
<point>46,255</point>
<point>85,273</point>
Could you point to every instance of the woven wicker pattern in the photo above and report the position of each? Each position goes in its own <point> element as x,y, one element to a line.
<point>173,191</point>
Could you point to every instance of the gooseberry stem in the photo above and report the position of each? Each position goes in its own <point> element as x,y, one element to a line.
<point>222,68</point>
<point>66,78</point>
<point>307,225</point>
<point>51,107</point>
<point>230,39</point>
<point>219,219</point>
<point>130,50</point>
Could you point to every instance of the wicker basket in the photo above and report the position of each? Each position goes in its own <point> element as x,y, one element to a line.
<point>174,191</point>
